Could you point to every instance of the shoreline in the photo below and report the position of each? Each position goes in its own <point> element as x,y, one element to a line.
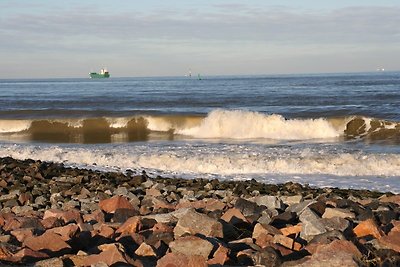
<point>136,220</point>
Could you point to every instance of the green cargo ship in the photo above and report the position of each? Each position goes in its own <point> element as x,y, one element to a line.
<point>103,74</point>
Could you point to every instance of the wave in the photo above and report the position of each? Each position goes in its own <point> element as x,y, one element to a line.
<point>218,124</point>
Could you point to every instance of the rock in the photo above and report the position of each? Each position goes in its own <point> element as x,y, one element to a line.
<point>27,254</point>
<point>271,202</point>
<point>105,231</point>
<point>112,254</point>
<point>132,225</point>
<point>116,202</point>
<point>48,241</point>
<point>72,215</point>
<point>311,224</point>
<point>179,260</point>
<point>145,250</point>
<point>391,241</point>
<point>300,207</point>
<point>327,237</point>
<point>66,232</point>
<point>283,219</point>
<point>287,242</point>
<point>220,257</point>
<point>341,213</point>
<point>366,228</point>
<point>234,216</point>
<point>53,262</point>
<point>194,223</point>
<point>267,257</point>
<point>289,230</point>
<point>249,209</point>
<point>335,223</point>
<point>5,253</point>
<point>22,233</point>
<point>392,199</point>
<point>208,204</point>
<point>290,200</point>
<point>191,245</point>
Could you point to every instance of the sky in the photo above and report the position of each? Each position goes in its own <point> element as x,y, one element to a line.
<point>50,39</point>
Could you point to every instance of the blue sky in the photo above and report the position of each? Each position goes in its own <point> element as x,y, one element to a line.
<point>151,38</point>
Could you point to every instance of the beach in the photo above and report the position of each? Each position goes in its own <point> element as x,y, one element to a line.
<point>54,215</point>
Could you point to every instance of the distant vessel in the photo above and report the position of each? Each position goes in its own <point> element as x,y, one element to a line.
<point>103,74</point>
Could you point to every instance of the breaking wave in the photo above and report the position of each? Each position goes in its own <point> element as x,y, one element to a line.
<point>218,124</point>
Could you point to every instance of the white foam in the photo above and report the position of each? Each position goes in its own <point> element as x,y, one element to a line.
<point>118,122</point>
<point>13,126</point>
<point>239,124</point>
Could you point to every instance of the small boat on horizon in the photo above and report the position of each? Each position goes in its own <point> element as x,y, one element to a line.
<point>103,74</point>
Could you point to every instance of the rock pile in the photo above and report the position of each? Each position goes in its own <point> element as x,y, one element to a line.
<point>57,216</point>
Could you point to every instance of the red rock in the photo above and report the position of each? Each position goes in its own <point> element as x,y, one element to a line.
<point>233,216</point>
<point>264,234</point>
<point>24,198</point>
<point>66,232</point>
<point>393,199</point>
<point>191,245</point>
<point>105,231</point>
<point>194,223</point>
<point>153,192</point>
<point>132,225</point>
<point>161,204</point>
<point>27,253</point>
<point>47,241</point>
<point>391,241</point>
<point>110,205</point>
<point>145,250</point>
<point>12,224</point>
<point>22,234</point>
<point>366,228</point>
<point>68,216</point>
<point>162,228</point>
<point>396,226</point>
<point>295,229</point>
<point>112,254</point>
<point>52,222</point>
<point>340,245</point>
<point>220,257</point>
<point>97,216</point>
<point>287,242</point>
<point>208,204</point>
<point>180,260</point>
<point>5,253</point>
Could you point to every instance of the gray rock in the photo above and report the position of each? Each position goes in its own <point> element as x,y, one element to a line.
<point>312,225</point>
<point>194,223</point>
<point>53,262</point>
<point>191,245</point>
<point>290,200</point>
<point>300,207</point>
<point>271,202</point>
<point>335,223</point>
<point>336,212</point>
<point>121,191</point>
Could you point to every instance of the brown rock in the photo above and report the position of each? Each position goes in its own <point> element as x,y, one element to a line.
<point>132,225</point>
<point>180,260</point>
<point>22,234</point>
<point>27,254</point>
<point>287,242</point>
<point>153,192</point>
<point>111,254</point>
<point>145,250</point>
<point>117,202</point>
<point>53,262</point>
<point>264,234</point>
<point>47,241</point>
<point>234,216</point>
<point>220,257</point>
<point>391,241</point>
<point>66,232</point>
<point>5,253</point>
<point>162,228</point>
<point>191,245</point>
<point>366,228</point>
<point>295,229</point>
<point>194,223</point>
<point>341,213</point>
<point>105,231</point>
<point>52,222</point>
<point>209,204</point>
<point>72,215</point>
<point>393,199</point>
<point>97,216</point>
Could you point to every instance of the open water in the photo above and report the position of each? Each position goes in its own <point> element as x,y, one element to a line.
<point>325,130</point>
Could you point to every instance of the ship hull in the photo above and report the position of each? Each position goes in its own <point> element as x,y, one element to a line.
<point>95,75</point>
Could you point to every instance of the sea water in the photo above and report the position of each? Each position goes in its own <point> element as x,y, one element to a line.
<point>340,130</point>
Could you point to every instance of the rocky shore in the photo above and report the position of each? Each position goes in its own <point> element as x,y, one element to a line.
<point>57,216</point>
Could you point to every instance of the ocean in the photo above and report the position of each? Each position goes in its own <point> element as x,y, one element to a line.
<point>340,130</point>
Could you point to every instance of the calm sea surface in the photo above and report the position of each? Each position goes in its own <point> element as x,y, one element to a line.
<point>326,130</point>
